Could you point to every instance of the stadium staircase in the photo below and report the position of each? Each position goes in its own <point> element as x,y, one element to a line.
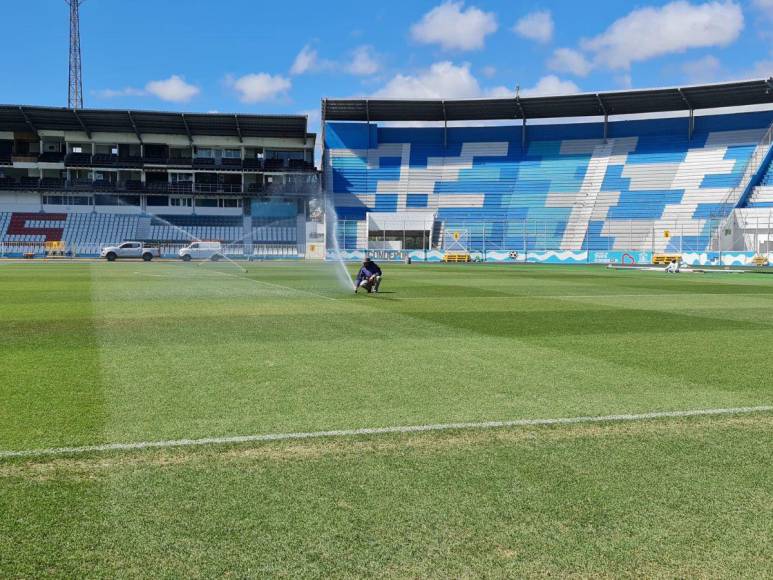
<point>762,195</point>
<point>437,233</point>
<point>759,166</point>
<point>577,225</point>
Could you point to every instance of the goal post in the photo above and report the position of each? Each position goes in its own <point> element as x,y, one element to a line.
<point>456,240</point>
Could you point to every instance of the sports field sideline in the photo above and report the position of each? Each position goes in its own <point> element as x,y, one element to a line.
<point>99,354</point>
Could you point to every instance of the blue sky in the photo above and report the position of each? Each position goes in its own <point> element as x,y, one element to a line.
<point>281,57</point>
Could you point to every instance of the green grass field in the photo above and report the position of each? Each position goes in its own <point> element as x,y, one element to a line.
<point>98,353</point>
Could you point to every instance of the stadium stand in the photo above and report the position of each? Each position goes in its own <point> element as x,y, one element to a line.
<point>96,229</point>
<point>90,231</point>
<point>269,230</point>
<point>31,227</point>
<point>562,187</point>
<point>107,175</point>
<point>176,228</point>
<point>79,228</point>
<point>666,183</point>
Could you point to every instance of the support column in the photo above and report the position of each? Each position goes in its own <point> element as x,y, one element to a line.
<point>523,135</point>
<point>445,126</point>
<point>606,128</point>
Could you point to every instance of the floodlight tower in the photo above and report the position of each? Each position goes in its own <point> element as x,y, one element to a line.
<point>75,82</point>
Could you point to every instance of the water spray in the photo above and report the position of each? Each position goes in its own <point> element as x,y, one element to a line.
<point>331,226</point>
<point>185,233</point>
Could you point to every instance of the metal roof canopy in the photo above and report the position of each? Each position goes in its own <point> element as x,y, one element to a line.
<point>735,94</point>
<point>22,118</point>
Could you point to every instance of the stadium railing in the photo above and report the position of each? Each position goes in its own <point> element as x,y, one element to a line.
<point>528,235</point>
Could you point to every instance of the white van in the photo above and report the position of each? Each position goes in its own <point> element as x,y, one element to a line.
<point>202,251</point>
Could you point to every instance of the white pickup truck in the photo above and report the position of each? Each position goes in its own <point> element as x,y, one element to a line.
<point>130,250</point>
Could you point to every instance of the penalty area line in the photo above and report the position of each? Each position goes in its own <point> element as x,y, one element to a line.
<point>377,431</point>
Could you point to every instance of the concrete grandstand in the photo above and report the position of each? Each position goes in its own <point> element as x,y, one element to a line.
<point>96,177</point>
<point>568,178</point>
<point>671,181</point>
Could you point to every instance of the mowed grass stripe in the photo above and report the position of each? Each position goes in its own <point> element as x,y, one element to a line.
<point>206,354</point>
<point>50,383</point>
<point>664,498</point>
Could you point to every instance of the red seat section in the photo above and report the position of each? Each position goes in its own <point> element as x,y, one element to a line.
<point>53,232</point>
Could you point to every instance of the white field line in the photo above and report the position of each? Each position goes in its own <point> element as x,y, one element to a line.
<point>377,431</point>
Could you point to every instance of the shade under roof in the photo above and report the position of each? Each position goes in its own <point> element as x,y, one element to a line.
<point>735,94</point>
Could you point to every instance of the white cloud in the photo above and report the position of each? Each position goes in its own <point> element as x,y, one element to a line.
<point>703,70</point>
<point>442,80</point>
<point>536,26</point>
<point>256,88</point>
<point>489,71</point>
<point>452,27</point>
<point>364,62</point>
<point>550,85</point>
<point>499,92</point>
<point>305,61</point>
<point>173,89</point>
<point>116,93</point>
<point>650,32</point>
<point>568,60</point>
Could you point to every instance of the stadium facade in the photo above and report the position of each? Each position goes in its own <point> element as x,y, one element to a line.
<point>94,177</point>
<point>589,188</point>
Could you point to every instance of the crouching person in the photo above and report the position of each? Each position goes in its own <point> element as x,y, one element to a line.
<point>369,277</point>
<point>673,267</point>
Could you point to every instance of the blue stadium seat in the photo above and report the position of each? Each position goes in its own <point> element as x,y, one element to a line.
<point>567,188</point>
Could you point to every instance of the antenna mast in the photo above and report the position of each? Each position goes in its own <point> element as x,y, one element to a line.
<point>75,82</point>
